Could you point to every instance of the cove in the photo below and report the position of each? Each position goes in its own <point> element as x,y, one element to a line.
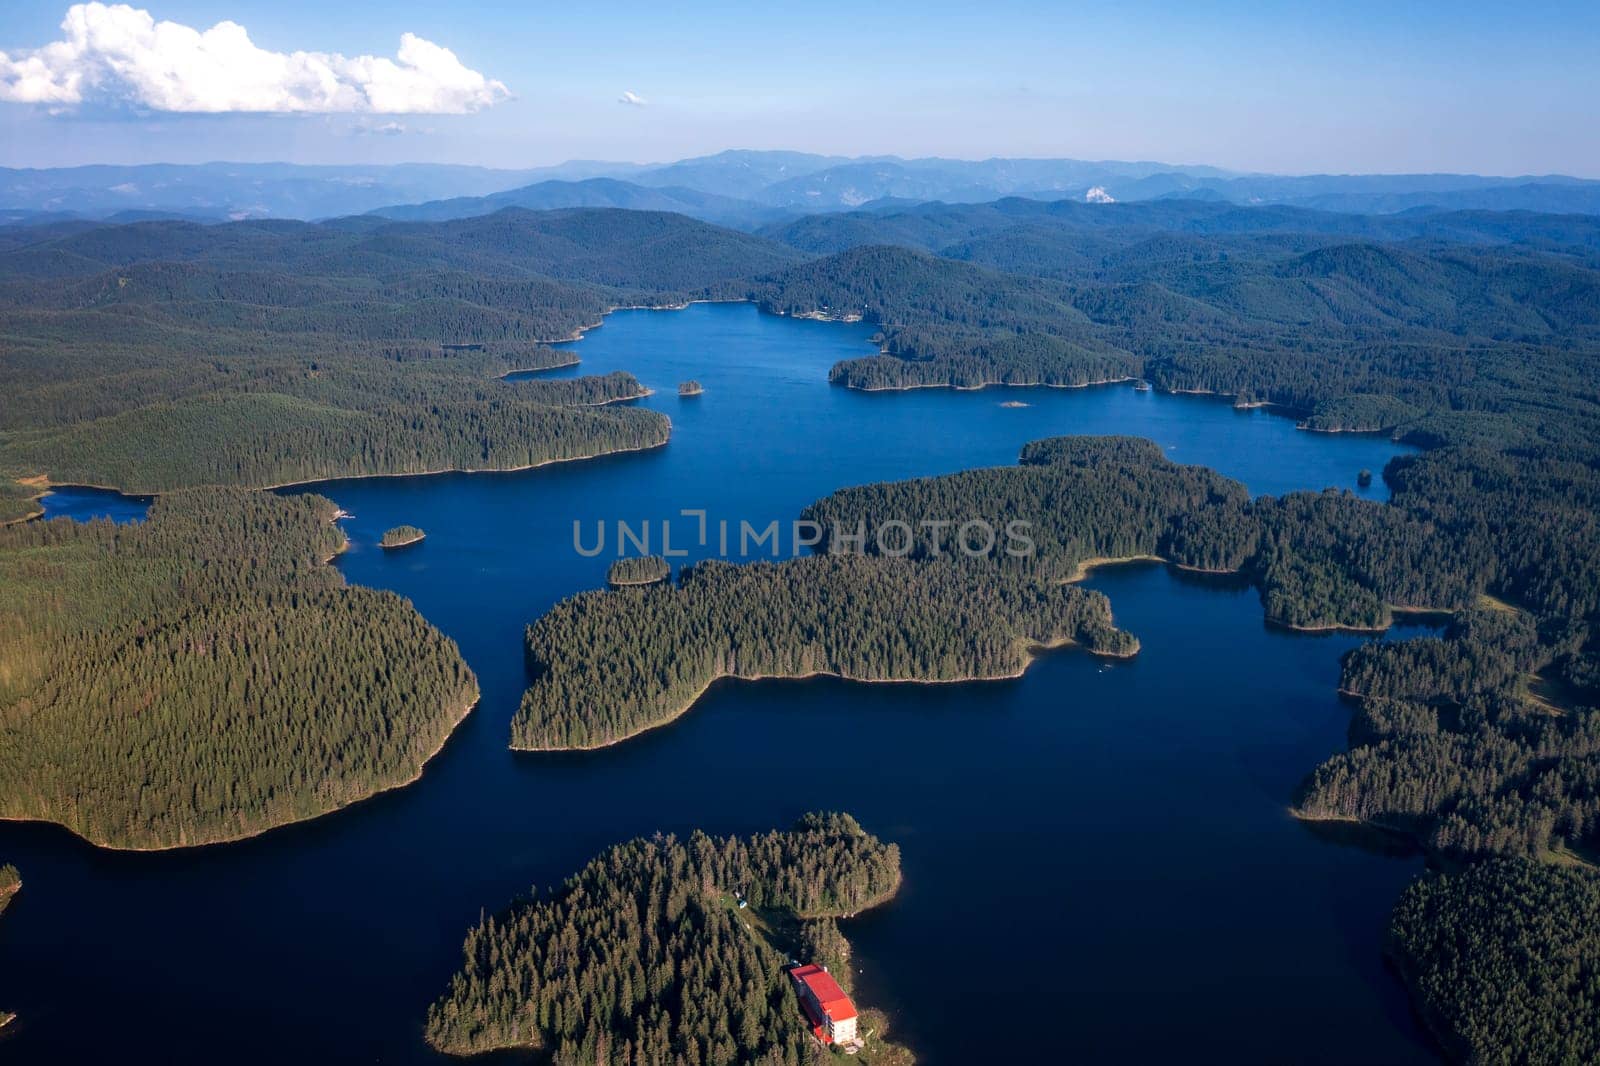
<point>1100,853</point>
<point>85,504</point>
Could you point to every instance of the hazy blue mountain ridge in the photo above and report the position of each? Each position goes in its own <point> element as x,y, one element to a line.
<point>740,188</point>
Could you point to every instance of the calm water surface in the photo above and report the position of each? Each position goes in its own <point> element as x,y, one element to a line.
<point>1097,856</point>
<point>87,504</point>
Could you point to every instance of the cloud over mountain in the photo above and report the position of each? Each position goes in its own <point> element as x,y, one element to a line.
<point>121,55</point>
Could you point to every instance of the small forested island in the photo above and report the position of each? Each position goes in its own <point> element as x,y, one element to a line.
<point>160,677</point>
<point>1364,477</point>
<point>401,536</point>
<point>690,388</point>
<point>608,665</point>
<point>638,570</point>
<point>664,950</point>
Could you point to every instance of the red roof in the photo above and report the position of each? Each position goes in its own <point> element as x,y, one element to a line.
<point>829,996</point>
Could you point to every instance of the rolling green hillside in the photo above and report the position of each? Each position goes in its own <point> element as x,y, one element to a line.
<point>167,354</point>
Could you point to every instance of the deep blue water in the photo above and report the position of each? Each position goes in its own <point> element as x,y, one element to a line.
<point>87,504</point>
<point>1098,858</point>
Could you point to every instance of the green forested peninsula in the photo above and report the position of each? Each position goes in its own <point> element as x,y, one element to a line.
<point>645,959</point>
<point>638,570</point>
<point>267,439</point>
<point>1501,958</point>
<point>1082,498</point>
<point>1450,746</point>
<point>203,675</point>
<point>608,665</point>
<point>1320,559</point>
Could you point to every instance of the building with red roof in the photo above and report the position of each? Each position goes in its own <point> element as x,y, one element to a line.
<point>832,1015</point>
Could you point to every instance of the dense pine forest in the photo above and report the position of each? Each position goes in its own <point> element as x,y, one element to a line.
<point>1467,943</point>
<point>645,958</point>
<point>204,675</point>
<point>608,665</point>
<point>1454,744</point>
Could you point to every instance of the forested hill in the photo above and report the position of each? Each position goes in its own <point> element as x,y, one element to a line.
<point>166,354</point>
<point>645,956</point>
<point>594,192</point>
<point>640,250</point>
<point>1294,321</point>
<point>948,323</point>
<point>204,675</point>
<point>1094,230</point>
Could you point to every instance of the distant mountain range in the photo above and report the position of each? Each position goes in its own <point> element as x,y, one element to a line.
<point>745,189</point>
<point>597,192</point>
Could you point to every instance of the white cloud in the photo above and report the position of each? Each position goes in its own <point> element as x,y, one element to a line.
<point>632,99</point>
<point>120,54</point>
<point>387,129</point>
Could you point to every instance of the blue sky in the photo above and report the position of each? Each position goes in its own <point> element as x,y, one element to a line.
<point>1290,88</point>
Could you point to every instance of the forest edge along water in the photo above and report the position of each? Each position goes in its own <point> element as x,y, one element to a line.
<point>1058,831</point>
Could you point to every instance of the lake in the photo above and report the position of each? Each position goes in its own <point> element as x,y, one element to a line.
<point>1098,859</point>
